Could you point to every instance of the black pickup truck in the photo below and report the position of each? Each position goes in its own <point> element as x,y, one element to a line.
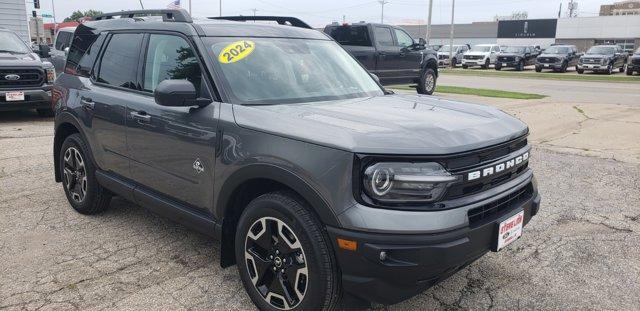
<point>25,79</point>
<point>634,63</point>
<point>389,52</point>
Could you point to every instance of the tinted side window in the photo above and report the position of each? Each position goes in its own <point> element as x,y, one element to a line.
<point>383,36</point>
<point>170,57</point>
<point>350,35</point>
<point>120,61</point>
<point>404,39</point>
<point>82,53</point>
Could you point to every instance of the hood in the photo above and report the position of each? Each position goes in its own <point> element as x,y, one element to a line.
<point>20,60</point>
<point>552,55</point>
<point>510,54</point>
<point>477,53</point>
<point>390,124</point>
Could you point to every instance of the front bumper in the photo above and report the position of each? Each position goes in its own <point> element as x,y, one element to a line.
<point>473,62</point>
<point>594,67</point>
<point>34,98</point>
<point>633,67</point>
<point>507,64</point>
<point>549,65</point>
<point>415,262</point>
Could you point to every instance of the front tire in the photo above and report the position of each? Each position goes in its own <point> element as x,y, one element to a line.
<point>486,64</point>
<point>497,67</point>
<point>609,69</point>
<point>563,69</point>
<point>520,66</point>
<point>622,69</point>
<point>579,71</point>
<point>629,71</point>
<point>538,69</point>
<point>80,185</point>
<point>284,257</point>
<point>454,63</point>
<point>427,82</point>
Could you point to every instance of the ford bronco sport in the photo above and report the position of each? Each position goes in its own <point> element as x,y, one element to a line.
<point>25,80</point>
<point>319,184</point>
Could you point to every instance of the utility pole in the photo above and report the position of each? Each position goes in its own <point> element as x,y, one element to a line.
<point>220,8</point>
<point>189,6</point>
<point>429,22</point>
<point>453,9</point>
<point>382,3</point>
<point>53,12</point>
<point>344,19</point>
<point>254,13</point>
<point>560,10</point>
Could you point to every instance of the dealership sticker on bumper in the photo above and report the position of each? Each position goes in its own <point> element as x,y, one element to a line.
<point>510,230</point>
<point>14,96</point>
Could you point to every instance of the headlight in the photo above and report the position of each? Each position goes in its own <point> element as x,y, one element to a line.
<point>51,75</point>
<point>400,182</point>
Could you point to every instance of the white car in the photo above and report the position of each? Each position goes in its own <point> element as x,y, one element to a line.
<point>481,55</point>
<point>458,51</point>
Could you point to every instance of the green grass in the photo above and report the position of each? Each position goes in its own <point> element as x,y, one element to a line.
<point>573,76</point>
<point>473,91</point>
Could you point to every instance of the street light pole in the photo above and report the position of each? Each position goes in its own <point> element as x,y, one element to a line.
<point>53,11</point>
<point>220,8</point>
<point>429,22</point>
<point>382,3</point>
<point>453,7</point>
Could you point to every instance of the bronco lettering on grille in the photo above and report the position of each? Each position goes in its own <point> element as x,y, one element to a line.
<point>493,169</point>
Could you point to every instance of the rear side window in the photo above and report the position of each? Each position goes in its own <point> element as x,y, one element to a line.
<point>83,52</point>
<point>170,57</point>
<point>120,61</point>
<point>350,35</point>
<point>383,36</point>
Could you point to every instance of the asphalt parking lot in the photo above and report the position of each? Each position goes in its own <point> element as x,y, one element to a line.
<point>581,252</point>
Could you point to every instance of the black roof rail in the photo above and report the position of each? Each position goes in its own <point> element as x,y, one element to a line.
<point>178,15</point>
<point>282,20</point>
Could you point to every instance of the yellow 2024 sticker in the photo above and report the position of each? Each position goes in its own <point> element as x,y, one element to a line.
<point>236,51</point>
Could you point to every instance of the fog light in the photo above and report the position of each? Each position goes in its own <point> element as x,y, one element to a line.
<point>383,256</point>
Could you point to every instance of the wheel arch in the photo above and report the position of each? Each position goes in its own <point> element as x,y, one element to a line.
<point>65,125</point>
<point>431,63</point>
<point>249,183</point>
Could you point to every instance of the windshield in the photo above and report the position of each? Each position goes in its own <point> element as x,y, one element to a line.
<point>481,48</point>
<point>601,50</point>
<point>557,50</point>
<point>273,71</point>
<point>447,48</point>
<point>11,43</point>
<point>513,49</point>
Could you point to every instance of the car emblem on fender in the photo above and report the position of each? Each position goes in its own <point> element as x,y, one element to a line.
<point>198,167</point>
<point>12,77</point>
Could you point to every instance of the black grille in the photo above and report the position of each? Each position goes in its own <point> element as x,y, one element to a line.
<point>500,206</point>
<point>443,56</point>
<point>27,78</point>
<point>473,57</point>
<point>506,58</point>
<point>636,61</point>
<point>591,60</point>
<point>547,60</point>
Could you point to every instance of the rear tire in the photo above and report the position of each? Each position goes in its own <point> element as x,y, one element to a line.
<point>520,66</point>
<point>428,81</point>
<point>278,238</point>
<point>623,69</point>
<point>80,185</point>
<point>454,63</point>
<point>45,112</point>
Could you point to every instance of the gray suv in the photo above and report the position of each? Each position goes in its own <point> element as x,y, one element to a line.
<point>319,183</point>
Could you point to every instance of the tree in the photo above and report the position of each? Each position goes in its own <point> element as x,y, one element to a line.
<point>77,15</point>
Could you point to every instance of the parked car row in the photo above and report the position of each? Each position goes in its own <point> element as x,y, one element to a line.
<point>558,58</point>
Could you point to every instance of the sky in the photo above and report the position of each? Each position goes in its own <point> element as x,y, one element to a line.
<point>321,12</point>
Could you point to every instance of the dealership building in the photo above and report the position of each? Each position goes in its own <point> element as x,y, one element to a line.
<point>583,32</point>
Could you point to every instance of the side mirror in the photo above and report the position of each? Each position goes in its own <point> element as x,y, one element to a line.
<point>44,51</point>
<point>66,51</point>
<point>375,77</point>
<point>422,41</point>
<point>178,93</point>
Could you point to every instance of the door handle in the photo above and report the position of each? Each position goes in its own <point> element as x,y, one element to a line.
<point>87,103</point>
<point>383,54</point>
<point>141,117</point>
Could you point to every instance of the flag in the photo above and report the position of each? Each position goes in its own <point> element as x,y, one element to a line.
<point>174,5</point>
